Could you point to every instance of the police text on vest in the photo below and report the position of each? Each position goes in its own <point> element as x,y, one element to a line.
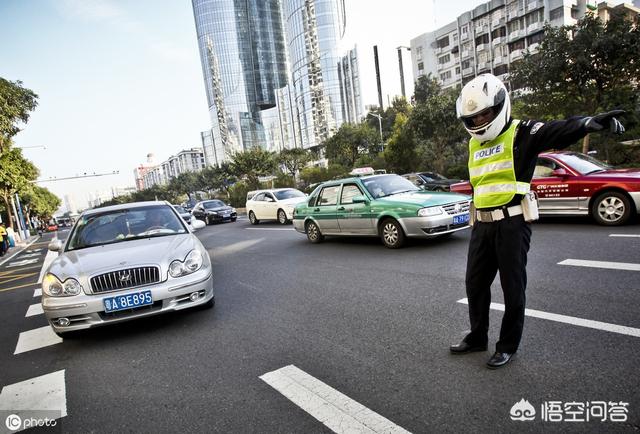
<point>489,152</point>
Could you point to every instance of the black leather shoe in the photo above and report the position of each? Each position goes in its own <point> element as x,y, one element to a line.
<point>464,348</point>
<point>498,360</point>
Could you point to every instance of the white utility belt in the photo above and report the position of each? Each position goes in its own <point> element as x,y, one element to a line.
<point>498,214</point>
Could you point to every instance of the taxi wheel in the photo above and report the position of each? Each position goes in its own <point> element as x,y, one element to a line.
<point>391,234</point>
<point>252,218</point>
<point>313,232</point>
<point>611,208</point>
<point>282,217</point>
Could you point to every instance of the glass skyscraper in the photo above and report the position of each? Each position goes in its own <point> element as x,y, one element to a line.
<point>244,62</point>
<point>314,29</point>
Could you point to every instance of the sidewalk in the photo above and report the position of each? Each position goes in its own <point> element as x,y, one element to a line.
<point>18,248</point>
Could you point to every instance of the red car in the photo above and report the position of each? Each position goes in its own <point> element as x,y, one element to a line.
<point>52,228</point>
<point>574,184</point>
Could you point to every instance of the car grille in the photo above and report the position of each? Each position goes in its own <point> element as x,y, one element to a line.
<point>127,278</point>
<point>451,208</point>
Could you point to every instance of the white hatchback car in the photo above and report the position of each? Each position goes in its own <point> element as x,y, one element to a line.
<point>275,204</point>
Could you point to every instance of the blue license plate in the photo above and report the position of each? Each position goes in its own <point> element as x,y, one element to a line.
<point>459,219</point>
<point>129,301</point>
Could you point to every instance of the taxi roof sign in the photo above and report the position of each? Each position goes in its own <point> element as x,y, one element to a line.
<point>362,171</point>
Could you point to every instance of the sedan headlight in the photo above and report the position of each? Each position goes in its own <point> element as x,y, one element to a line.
<point>53,287</point>
<point>428,212</point>
<point>191,264</point>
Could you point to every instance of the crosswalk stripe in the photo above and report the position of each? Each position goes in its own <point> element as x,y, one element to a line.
<point>35,339</point>
<point>598,325</point>
<point>34,309</point>
<point>37,292</point>
<point>43,393</point>
<point>335,410</point>
<point>601,264</point>
<point>625,235</point>
<point>270,229</point>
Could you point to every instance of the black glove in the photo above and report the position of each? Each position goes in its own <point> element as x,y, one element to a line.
<point>605,120</point>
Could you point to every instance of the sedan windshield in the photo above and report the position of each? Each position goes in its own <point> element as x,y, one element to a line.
<point>180,209</point>
<point>386,185</point>
<point>124,225</point>
<point>288,194</point>
<point>584,164</point>
<point>210,204</point>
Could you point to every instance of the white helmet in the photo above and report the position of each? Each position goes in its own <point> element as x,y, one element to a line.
<point>485,93</point>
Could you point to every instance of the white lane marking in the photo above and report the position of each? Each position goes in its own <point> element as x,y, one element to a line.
<point>21,263</point>
<point>46,392</point>
<point>601,264</point>
<point>30,254</point>
<point>623,330</point>
<point>35,309</point>
<point>37,292</point>
<point>625,235</point>
<point>35,339</point>
<point>236,247</point>
<point>335,410</point>
<point>47,261</point>
<point>270,229</point>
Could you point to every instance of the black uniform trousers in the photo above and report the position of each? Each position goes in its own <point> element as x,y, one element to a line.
<point>498,246</point>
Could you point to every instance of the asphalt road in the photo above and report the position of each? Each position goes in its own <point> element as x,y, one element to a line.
<point>374,324</point>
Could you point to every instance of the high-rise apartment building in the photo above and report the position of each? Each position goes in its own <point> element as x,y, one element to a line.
<point>188,160</point>
<point>490,38</point>
<point>349,76</point>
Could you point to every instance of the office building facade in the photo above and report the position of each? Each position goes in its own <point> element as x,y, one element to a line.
<point>490,38</point>
<point>244,62</point>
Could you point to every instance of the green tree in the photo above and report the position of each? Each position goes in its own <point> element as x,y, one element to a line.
<point>185,184</point>
<point>40,202</point>
<point>16,175</point>
<point>16,102</point>
<point>440,136</point>
<point>399,105</point>
<point>313,175</point>
<point>217,178</point>
<point>426,87</point>
<point>293,160</point>
<point>252,164</point>
<point>400,152</point>
<point>351,141</point>
<point>582,69</point>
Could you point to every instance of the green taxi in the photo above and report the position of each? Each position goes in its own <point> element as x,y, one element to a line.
<point>388,206</point>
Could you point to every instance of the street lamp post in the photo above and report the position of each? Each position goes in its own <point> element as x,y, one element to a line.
<point>379,125</point>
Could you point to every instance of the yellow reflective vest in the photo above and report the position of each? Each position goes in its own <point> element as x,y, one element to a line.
<point>491,170</point>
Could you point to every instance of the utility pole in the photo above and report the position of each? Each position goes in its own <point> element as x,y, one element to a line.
<point>402,69</point>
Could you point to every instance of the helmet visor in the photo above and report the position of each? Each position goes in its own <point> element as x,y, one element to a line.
<point>480,120</point>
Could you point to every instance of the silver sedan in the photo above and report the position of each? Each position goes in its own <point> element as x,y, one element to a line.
<point>124,262</point>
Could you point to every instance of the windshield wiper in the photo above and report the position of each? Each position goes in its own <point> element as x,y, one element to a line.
<point>595,171</point>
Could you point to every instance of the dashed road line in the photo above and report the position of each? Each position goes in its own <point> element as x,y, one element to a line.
<point>17,287</point>
<point>43,393</point>
<point>625,235</point>
<point>335,410</point>
<point>269,229</point>
<point>601,264</point>
<point>36,339</point>
<point>37,292</point>
<point>35,309</point>
<point>598,325</point>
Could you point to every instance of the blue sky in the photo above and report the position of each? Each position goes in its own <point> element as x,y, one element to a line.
<point>119,79</point>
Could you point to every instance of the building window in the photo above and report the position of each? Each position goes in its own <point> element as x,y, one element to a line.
<point>420,66</point>
<point>556,14</point>
<point>466,64</point>
<point>444,59</point>
<point>457,70</point>
<point>445,76</point>
<point>443,42</point>
<point>537,38</point>
<point>464,30</point>
<point>518,45</point>
<point>419,53</point>
<point>502,69</point>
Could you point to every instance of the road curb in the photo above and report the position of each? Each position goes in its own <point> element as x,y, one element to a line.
<point>19,251</point>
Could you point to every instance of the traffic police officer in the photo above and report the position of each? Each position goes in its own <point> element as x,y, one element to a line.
<point>502,158</point>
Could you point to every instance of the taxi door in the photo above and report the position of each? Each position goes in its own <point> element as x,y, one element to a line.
<point>324,211</point>
<point>556,193</point>
<point>354,218</point>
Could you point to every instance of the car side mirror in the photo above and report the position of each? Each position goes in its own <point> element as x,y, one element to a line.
<point>55,245</point>
<point>197,224</point>
<point>422,187</point>
<point>360,199</point>
<point>560,172</point>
